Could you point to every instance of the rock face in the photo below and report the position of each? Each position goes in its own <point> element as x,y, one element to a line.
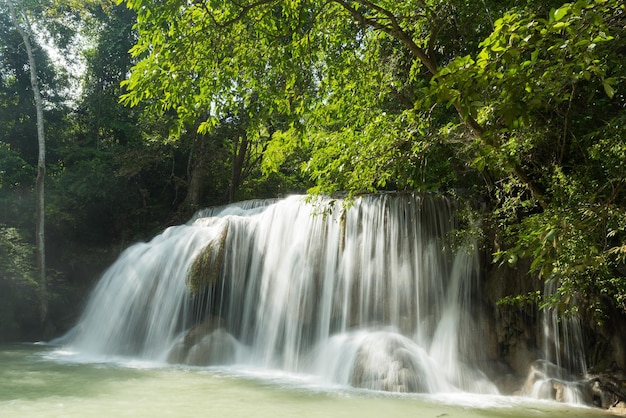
<point>517,331</point>
<point>515,326</point>
<point>608,390</point>
<point>206,344</point>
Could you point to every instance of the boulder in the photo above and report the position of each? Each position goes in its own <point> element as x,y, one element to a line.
<point>207,343</point>
<point>608,390</point>
<point>388,364</point>
<point>219,347</point>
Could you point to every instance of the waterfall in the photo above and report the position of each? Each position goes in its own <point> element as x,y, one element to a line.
<point>559,375</point>
<point>369,294</point>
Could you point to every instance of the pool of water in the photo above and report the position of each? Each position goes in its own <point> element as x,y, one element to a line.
<point>37,381</point>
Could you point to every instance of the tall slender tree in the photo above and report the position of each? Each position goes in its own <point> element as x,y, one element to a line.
<point>23,26</point>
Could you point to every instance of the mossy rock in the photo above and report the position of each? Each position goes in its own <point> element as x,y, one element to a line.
<point>207,266</point>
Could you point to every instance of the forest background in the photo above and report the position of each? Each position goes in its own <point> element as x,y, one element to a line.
<point>518,108</point>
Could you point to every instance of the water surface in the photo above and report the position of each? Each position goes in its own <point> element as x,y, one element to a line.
<point>36,381</point>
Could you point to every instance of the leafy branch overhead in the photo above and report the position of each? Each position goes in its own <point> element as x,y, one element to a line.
<point>523,104</point>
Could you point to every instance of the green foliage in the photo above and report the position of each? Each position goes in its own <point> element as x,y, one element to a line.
<point>196,67</point>
<point>386,152</point>
<point>16,258</point>
<point>549,93</point>
<point>523,105</point>
<point>331,80</point>
<point>531,298</point>
<point>18,286</point>
<point>577,243</point>
<point>104,119</point>
<point>530,63</point>
<point>17,110</point>
<point>14,171</point>
<point>16,182</point>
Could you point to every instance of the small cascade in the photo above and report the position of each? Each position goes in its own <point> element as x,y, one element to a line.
<point>559,375</point>
<point>371,295</point>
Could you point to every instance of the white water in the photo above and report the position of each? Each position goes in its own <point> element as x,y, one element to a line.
<point>563,351</point>
<point>372,297</point>
<point>35,382</point>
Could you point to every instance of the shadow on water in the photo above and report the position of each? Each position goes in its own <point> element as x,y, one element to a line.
<point>27,373</point>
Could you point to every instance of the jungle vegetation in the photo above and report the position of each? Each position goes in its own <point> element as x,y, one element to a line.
<point>519,105</point>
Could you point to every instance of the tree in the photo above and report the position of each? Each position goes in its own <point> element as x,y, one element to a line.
<point>34,94</point>
<point>111,180</point>
<point>557,97</point>
<point>107,62</point>
<point>413,95</point>
<point>22,24</point>
<point>232,124</point>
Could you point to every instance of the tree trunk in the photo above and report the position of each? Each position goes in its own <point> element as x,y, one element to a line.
<point>240,150</point>
<point>195,185</point>
<point>24,30</point>
<point>197,174</point>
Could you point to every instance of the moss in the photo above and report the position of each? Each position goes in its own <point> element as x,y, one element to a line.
<point>207,266</point>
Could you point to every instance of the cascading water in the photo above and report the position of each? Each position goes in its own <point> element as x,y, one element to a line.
<point>558,376</point>
<point>370,296</point>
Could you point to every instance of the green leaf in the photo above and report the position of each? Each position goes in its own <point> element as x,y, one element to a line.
<point>561,12</point>
<point>608,89</point>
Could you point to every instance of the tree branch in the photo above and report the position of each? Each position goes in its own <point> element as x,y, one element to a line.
<point>396,31</point>
<point>242,13</point>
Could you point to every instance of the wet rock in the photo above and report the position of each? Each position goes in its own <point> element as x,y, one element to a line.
<point>512,324</point>
<point>548,381</point>
<point>508,384</point>
<point>180,351</point>
<point>608,390</point>
<point>206,268</point>
<point>388,365</point>
<point>197,333</point>
<point>219,347</point>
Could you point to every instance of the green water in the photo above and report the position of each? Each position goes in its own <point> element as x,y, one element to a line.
<point>37,382</point>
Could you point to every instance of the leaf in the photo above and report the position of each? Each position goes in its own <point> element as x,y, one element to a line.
<point>561,12</point>
<point>608,89</point>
